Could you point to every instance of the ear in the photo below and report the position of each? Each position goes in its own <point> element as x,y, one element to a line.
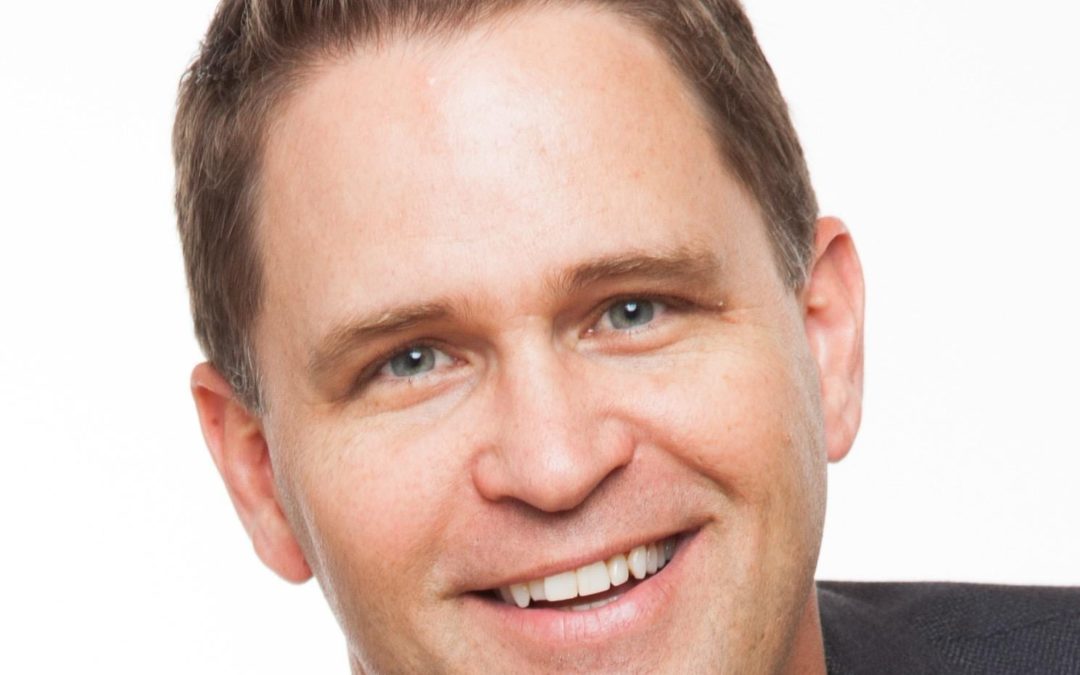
<point>833,315</point>
<point>237,443</point>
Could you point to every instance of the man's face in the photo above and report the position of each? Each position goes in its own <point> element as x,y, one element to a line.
<point>519,318</point>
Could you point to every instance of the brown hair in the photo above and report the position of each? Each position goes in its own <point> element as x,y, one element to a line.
<point>256,51</point>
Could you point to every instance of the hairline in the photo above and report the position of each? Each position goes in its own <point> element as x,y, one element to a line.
<point>287,78</point>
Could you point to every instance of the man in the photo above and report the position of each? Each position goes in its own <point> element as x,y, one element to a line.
<point>524,338</point>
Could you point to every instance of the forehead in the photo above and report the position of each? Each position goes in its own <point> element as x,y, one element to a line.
<point>481,161</point>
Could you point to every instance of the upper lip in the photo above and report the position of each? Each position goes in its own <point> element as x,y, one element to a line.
<point>557,564</point>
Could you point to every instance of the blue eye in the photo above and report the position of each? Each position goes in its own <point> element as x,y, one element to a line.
<point>627,314</point>
<point>412,362</point>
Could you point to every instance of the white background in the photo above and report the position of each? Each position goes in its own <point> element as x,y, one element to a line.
<point>944,131</point>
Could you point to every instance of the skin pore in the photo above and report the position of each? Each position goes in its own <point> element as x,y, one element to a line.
<point>519,317</point>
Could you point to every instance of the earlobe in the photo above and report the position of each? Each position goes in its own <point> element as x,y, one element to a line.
<point>833,301</point>
<point>238,446</point>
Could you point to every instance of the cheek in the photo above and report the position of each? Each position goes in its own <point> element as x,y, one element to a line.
<point>370,510</point>
<point>740,415</point>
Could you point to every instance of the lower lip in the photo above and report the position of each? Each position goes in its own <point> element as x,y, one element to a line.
<point>641,607</point>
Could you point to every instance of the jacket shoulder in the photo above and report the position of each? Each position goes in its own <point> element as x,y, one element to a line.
<point>970,628</point>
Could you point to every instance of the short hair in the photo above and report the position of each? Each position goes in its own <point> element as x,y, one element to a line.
<point>257,51</point>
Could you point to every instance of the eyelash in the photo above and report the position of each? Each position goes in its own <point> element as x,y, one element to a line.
<point>371,371</point>
<point>668,303</point>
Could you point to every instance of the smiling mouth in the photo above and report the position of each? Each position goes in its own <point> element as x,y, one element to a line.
<point>593,585</point>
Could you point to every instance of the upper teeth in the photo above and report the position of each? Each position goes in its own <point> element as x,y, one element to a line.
<point>596,577</point>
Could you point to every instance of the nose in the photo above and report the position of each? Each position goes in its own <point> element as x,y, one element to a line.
<point>551,441</point>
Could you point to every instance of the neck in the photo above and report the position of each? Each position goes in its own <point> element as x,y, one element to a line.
<point>807,656</point>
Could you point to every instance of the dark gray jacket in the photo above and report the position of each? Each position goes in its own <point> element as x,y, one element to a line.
<point>912,629</point>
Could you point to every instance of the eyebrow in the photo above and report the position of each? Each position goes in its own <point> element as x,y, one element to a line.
<point>690,265</point>
<point>340,341</point>
<point>682,265</point>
